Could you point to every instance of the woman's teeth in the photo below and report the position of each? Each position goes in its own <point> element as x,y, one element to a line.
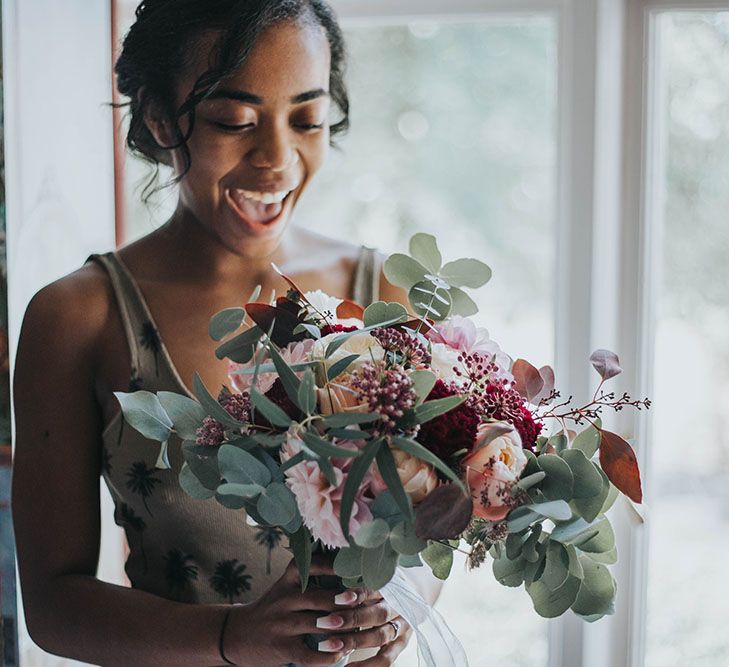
<point>263,197</point>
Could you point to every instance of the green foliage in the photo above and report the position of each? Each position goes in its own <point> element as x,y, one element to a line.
<point>416,449</point>
<point>186,414</point>
<point>211,406</point>
<point>238,466</point>
<point>277,505</point>
<point>588,440</point>
<point>191,485</point>
<point>423,383</point>
<point>373,534</point>
<point>143,411</point>
<point>225,322</point>
<point>240,348</point>
<point>388,471</point>
<point>380,311</point>
<point>301,544</point>
<point>269,409</point>
<point>356,474</point>
<point>439,557</point>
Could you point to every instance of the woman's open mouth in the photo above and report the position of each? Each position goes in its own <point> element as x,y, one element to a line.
<point>258,208</point>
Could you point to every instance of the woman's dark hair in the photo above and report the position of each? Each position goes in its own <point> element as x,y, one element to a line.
<point>156,50</point>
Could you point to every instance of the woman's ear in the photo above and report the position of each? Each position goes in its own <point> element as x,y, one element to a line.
<point>155,119</point>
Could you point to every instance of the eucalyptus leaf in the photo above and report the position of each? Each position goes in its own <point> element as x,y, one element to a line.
<point>242,347</point>
<point>204,467</point>
<point>211,406</point>
<point>143,411</point>
<point>403,271</point>
<point>348,562</point>
<point>509,572</point>
<point>225,322</point>
<point>243,490</point>
<point>289,379</point>
<point>342,419</point>
<point>277,504</point>
<point>559,481</point>
<point>185,413</point>
<point>531,549</point>
<point>338,367</point>
<point>388,470</point>
<point>609,557</point>
<point>588,440</point>
<point>372,534</point>
<point>597,590</point>
<point>466,273</point>
<point>356,474</point>
<point>240,467</point>
<point>423,383</point>
<point>587,479</point>
<point>437,407</point>
<point>404,540</point>
<point>529,481</point>
<point>381,311</point>
<point>437,306</point>
<point>603,541</point>
<point>439,558</point>
<point>553,603</point>
<point>556,568</point>
<point>574,566</point>
<point>558,510</point>
<point>300,543</point>
<point>269,409</point>
<point>520,518</point>
<point>424,249</point>
<point>325,448</point>
<point>378,565</point>
<point>409,561</point>
<point>163,458</point>
<point>307,393</point>
<point>461,303</point>
<point>191,485</point>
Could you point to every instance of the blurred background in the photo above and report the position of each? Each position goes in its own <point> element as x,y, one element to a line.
<point>469,123</point>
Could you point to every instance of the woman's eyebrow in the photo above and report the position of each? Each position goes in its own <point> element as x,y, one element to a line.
<point>250,98</point>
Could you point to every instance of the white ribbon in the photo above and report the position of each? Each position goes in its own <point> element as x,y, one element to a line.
<point>437,645</point>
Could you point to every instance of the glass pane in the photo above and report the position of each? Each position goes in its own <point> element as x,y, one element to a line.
<point>689,529</point>
<point>453,133</point>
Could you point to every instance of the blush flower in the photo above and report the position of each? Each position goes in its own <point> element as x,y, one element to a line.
<point>293,353</point>
<point>318,501</point>
<point>493,468</point>
<point>418,477</point>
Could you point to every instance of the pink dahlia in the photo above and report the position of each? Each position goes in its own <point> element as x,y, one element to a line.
<point>318,501</point>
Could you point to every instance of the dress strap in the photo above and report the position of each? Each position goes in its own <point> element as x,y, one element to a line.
<point>367,277</point>
<point>141,332</point>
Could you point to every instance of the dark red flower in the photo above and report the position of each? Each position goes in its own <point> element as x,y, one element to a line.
<point>336,328</point>
<point>505,403</point>
<point>277,394</point>
<point>451,432</point>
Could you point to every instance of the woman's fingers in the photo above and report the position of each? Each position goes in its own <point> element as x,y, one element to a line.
<point>326,600</point>
<point>387,655</point>
<point>378,636</point>
<point>364,616</point>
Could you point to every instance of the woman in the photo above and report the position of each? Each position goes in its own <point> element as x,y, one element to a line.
<point>235,95</point>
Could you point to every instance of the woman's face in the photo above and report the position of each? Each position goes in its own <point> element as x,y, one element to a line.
<point>259,140</point>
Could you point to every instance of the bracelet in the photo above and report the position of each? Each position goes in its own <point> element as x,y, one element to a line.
<point>222,636</point>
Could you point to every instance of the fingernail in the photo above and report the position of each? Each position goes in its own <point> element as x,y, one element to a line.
<point>329,622</point>
<point>331,645</point>
<point>348,597</point>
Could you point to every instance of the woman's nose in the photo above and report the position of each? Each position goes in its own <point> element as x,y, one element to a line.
<point>273,151</point>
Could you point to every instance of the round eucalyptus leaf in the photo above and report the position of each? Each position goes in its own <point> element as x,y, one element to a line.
<point>237,465</point>
<point>381,311</point>
<point>424,248</point>
<point>277,504</point>
<point>603,541</point>
<point>558,484</point>
<point>466,273</point>
<point>509,572</point>
<point>461,303</point>
<point>191,485</point>
<point>348,562</point>
<point>404,540</point>
<point>226,321</point>
<point>403,271</point>
<point>597,591</point>
<point>372,534</point>
<point>586,475</point>
<point>243,490</point>
<point>587,440</point>
<point>550,604</point>
<point>556,568</point>
<point>378,565</point>
<point>143,412</point>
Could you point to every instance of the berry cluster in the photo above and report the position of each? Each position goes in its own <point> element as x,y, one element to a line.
<point>388,392</point>
<point>405,348</point>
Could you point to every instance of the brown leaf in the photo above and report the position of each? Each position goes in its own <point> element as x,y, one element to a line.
<point>619,463</point>
<point>286,321</point>
<point>547,375</point>
<point>528,380</point>
<point>444,514</point>
<point>606,363</point>
<point>348,309</point>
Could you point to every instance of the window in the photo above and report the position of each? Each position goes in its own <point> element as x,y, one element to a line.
<point>690,445</point>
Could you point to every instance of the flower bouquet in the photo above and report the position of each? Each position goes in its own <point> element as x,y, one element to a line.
<point>395,436</point>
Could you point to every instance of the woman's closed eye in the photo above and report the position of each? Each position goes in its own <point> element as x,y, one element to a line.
<point>233,127</point>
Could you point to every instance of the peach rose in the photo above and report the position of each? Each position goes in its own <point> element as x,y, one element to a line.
<point>337,396</point>
<point>417,477</point>
<point>492,468</point>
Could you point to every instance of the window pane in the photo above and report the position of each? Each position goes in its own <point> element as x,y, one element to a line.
<point>689,529</point>
<point>453,133</point>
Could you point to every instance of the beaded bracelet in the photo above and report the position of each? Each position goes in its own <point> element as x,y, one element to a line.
<point>222,636</point>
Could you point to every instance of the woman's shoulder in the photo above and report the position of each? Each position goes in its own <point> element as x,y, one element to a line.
<point>79,301</point>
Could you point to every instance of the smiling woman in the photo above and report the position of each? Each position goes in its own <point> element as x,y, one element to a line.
<point>235,97</point>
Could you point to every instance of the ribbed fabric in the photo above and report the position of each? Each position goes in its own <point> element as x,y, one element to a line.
<point>182,548</point>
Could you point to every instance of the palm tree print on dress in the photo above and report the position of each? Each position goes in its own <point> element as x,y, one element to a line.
<point>129,519</point>
<point>135,382</point>
<point>269,537</point>
<point>229,579</point>
<point>141,481</point>
<point>105,462</point>
<point>150,340</point>
<point>178,572</point>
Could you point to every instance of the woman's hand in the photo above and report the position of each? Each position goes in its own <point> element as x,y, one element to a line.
<point>379,627</point>
<point>270,631</point>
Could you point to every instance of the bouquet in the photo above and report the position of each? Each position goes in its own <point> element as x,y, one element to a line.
<point>394,436</point>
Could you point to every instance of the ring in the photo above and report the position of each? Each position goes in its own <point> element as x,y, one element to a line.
<point>396,626</point>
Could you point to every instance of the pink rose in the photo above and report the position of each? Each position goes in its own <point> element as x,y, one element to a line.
<point>293,353</point>
<point>492,469</point>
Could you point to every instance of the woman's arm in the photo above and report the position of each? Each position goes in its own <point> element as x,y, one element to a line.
<point>56,500</point>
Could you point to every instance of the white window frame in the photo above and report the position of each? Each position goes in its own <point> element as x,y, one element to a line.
<point>607,220</point>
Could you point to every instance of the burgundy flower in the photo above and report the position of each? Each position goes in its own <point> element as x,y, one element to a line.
<point>505,404</point>
<point>450,432</point>
<point>336,328</point>
<point>212,433</point>
<point>388,392</point>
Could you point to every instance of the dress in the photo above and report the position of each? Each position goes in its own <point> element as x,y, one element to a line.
<point>182,548</point>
